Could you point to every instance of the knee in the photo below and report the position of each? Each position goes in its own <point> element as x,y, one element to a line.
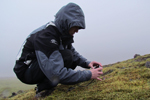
<point>54,81</point>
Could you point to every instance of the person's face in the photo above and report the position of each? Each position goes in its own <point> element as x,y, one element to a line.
<point>73,30</point>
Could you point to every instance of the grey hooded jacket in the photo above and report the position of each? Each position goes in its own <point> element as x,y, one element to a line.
<point>45,42</point>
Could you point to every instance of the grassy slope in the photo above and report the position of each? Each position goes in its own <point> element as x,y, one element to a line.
<point>130,80</point>
<point>9,85</point>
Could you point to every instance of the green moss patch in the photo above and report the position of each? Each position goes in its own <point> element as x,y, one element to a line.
<point>130,80</point>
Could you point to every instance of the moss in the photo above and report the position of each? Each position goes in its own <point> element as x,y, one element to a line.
<point>130,80</point>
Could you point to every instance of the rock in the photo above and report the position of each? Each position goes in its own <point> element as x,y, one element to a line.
<point>147,64</point>
<point>13,94</point>
<point>20,91</point>
<point>4,97</point>
<point>136,55</point>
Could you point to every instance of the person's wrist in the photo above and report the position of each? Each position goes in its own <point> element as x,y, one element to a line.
<point>92,73</point>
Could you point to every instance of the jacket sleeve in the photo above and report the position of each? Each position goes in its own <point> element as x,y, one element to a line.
<point>51,62</point>
<point>79,59</point>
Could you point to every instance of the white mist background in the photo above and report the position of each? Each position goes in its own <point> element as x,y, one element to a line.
<point>115,29</point>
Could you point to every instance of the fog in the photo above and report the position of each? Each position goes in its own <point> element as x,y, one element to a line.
<point>115,29</point>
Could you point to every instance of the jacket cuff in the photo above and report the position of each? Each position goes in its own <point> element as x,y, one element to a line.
<point>88,74</point>
<point>87,63</point>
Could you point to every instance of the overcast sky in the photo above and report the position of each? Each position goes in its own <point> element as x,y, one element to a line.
<point>115,29</point>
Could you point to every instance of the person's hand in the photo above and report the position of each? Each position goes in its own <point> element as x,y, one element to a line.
<point>93,63</point>
<point>96,73</point>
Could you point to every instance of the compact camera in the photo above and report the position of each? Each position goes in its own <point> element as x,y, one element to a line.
<point>97,66</point>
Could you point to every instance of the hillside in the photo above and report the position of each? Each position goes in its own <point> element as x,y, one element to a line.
<point>125,80</point>
<point>12,84</point>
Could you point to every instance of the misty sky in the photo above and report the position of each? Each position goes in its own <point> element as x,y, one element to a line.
<point>115,29</point>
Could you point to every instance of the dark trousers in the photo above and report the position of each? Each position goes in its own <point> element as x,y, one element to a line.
<point>34,75</point>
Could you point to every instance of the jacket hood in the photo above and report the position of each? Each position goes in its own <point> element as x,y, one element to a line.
<point>68,16</point>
